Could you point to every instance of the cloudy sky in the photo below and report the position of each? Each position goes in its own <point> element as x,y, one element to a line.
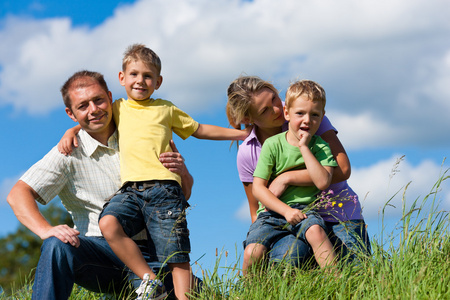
<point>384,64</point>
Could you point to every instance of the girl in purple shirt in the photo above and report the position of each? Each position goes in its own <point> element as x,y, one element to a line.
<point>254,101</point>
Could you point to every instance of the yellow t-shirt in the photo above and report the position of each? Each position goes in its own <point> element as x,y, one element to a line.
<point>145,129</point>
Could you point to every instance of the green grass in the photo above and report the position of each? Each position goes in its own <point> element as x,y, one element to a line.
<point>410,262</point>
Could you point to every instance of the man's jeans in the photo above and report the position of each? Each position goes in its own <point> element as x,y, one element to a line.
<point>93,265</point>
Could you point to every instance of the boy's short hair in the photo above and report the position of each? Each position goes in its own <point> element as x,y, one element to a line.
<point>79,80</point>
<point>311,89</point>
<point>140,52</point>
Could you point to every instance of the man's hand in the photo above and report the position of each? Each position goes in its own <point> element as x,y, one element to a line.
<point>173,161</point>
<point>64,233</point>
<point>294,216</point>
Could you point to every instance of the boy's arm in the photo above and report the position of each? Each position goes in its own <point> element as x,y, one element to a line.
<point>263,195</point>
<point>212,132</point>
<point>69,138</point>
<point>174,161</point>
<point>320,175</point>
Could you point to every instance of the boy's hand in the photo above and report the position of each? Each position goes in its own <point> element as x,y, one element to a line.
<point>69,138</point>
<point>304,138</point>
<point>294,216</point>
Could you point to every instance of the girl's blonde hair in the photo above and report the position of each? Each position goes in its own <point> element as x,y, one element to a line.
<point>240,94</point>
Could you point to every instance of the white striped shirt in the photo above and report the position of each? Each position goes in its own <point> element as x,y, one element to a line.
<point>84,180</point>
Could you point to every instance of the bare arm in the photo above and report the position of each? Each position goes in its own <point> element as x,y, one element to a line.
<point>263,195</point>
<point>302,178</point>
<point>175,163</point>
<point>22,201</point>
<point>252,202</point>
<point>343,170</point>
<point>69,140</point>
<point>212,132</point>
<point>320,175</point>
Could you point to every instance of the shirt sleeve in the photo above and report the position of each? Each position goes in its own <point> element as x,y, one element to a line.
<point>245,164</point>
<point>323,154</point>
<point>266,161</point>
<point>183,125</point>
<point>48,176</point>
<point>325,126</point>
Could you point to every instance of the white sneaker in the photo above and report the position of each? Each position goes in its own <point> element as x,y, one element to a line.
<point>151,289</point>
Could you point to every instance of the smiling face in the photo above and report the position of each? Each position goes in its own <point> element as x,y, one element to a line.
<point>140,80</point>
<point>304,115</point>
<point>266,110</point>
<point>91,108</point>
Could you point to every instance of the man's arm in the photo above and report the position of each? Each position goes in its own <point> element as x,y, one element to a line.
<point>22,199</point>
<point>174,161</point>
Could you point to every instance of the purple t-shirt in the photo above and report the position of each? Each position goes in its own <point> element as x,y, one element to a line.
<point>247,158</point>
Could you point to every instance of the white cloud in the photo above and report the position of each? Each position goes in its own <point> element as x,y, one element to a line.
<point>243,212</point>
<point>378,183</point>
<point>384,64</point>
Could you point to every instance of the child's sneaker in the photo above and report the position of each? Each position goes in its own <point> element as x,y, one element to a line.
<point>151,289</point>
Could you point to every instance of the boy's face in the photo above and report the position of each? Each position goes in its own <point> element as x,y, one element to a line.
<point>139,80</point>
<point>304,115</point>
<point>91,107</point>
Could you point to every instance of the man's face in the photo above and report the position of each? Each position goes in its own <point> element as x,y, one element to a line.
<point>91,107</point>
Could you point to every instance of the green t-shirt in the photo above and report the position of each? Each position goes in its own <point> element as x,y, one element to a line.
<point>278,156</point>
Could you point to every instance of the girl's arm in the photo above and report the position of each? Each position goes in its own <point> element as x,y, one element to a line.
<point>69,138</point>
<point>212,132</point>
<point>252,202</point>
<point>343,170</point>
<point>263,195</point>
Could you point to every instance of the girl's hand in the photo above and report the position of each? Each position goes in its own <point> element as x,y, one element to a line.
<point>69,138</point>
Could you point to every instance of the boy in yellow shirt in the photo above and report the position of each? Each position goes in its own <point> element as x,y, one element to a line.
<point>151,197</point>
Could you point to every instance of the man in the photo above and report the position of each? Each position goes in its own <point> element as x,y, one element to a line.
<point>83,181</point>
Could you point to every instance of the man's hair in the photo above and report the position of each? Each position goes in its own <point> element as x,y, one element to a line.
<point>81,79</point>
<point>140,52</point>
<point>240,96</point>
<point>311,89</point>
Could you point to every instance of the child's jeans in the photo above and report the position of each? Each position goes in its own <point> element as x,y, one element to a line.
<point>158,206</point>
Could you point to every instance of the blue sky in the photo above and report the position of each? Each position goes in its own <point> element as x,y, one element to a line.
<point>384,64</point>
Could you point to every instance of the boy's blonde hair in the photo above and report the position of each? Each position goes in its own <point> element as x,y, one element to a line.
<point>311,89</point>
<point>140,52</point>
<point>240,96</point>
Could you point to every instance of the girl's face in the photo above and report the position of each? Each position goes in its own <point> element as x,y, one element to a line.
<point>266,110</point>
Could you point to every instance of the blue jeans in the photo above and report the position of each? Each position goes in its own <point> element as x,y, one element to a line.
<point>93,265</point>
<point>159,207</point>
<point>348,238</point>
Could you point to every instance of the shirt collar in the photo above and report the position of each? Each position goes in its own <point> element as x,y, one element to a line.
<point>90,144</point>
